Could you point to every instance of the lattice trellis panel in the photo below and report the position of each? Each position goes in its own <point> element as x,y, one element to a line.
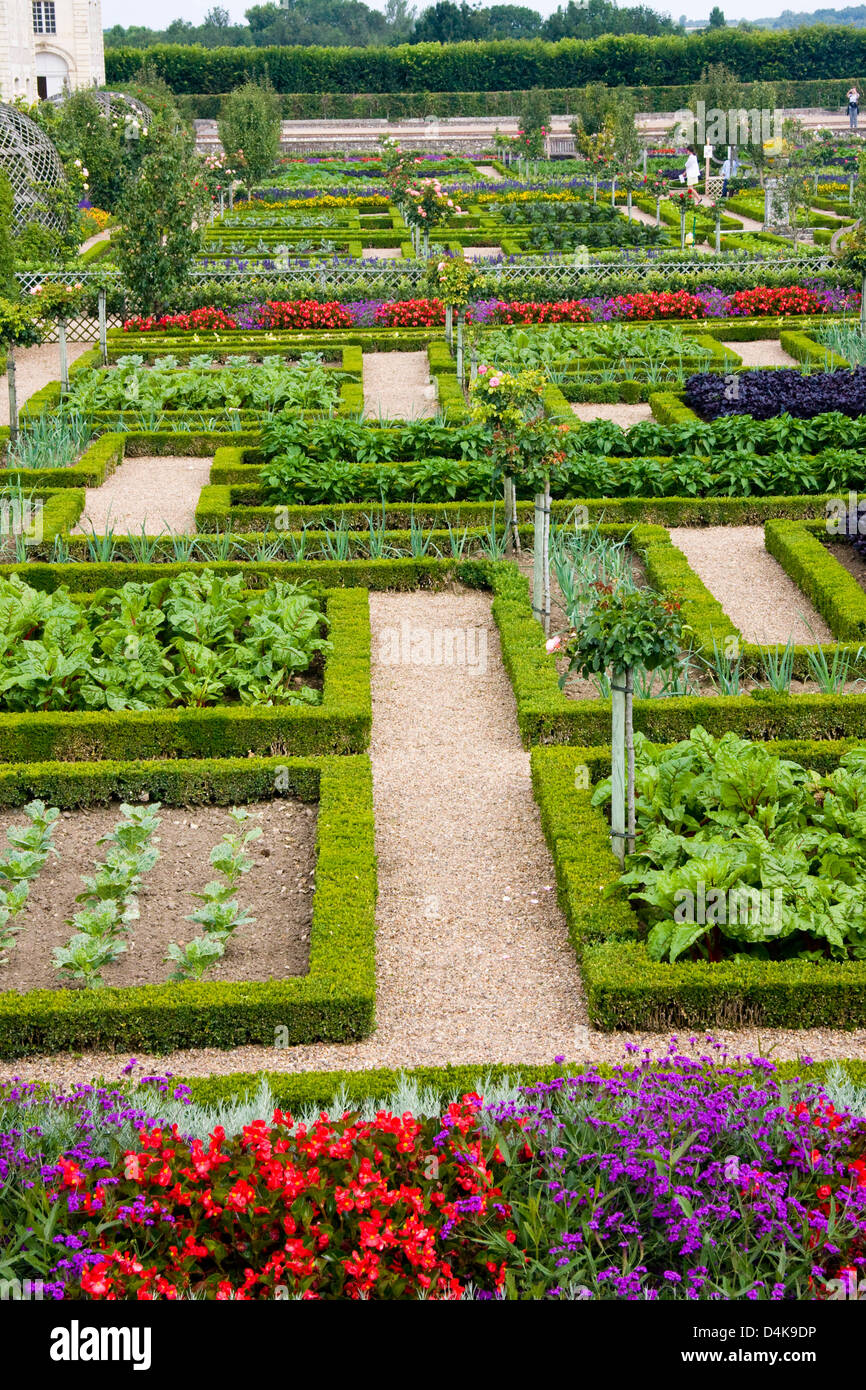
<point>384,277</point>
<point>31,164</point>
<point>118,104</point>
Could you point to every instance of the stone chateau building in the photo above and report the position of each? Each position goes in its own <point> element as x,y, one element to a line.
<point>47,45</point>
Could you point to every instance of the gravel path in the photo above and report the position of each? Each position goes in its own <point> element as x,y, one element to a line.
<point>751,586</point>
<point>397,386</point>
<point>34,368</point>
<point>474,964</point>
<point>749,224</point>
<point>763,352</point>
<point>153,492</point>
<point>381,253</point>
<point>621,414</point>
<point>482,253</point>
<point>638,215</point>
<point>490,173</point>
<point>92,240</point>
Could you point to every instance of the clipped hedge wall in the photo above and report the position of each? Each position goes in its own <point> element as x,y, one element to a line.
<point>835,593</point>
<point>670,60</point>
<point>334,1002</point>
<point>97,461</point>
<point>625,989</point>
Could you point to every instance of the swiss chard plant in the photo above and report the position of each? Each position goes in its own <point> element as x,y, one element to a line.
<point>29,848</point>
<point>220,914</point>
<point>743,854</point>
<point>194,640</point>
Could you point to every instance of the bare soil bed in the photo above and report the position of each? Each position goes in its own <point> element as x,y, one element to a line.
<point>277,891</point>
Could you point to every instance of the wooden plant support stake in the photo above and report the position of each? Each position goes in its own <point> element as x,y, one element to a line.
<point>617,764</point>
<point>103,325</point>
<point>546,593</point>
<point>64,356</point>
<point>629,749</point>
<point>512,535</point>
<point>538,560</point>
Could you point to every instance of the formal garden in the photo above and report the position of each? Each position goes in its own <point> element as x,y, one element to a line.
<point>432,714</point>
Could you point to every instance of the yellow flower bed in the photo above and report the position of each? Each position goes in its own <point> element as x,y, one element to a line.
<point>325,200</point>
<point>95,220</point>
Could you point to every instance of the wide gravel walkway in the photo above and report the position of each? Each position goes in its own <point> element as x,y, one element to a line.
<point>622,413</point>
<point>751,586</point>
<point>473,960</point>
<point>397,386</point>
<point>34,368</point>
<point>157,493</point>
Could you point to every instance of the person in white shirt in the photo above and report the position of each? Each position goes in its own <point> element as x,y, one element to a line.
<point>853,106</point>
<point>692,171</point>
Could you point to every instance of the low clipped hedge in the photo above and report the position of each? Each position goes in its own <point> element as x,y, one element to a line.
<point>625,988</point>
<point>320,1089</point>
<point>97,461</point>
<point>834,592</point>
<point>546,715</point>
<point>403,575</point>
<point>806,350</point>
<point>334,1002</point>
<point>340,724</point>
<point>252,340</point>
<point>669,408</point>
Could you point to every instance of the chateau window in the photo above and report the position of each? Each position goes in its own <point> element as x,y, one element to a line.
<point>44,18</point>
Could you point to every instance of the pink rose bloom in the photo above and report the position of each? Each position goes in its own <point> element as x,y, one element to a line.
<point>482,371</point>
<point>421,212</point>
<point>495,380</point>
<point>553,644</point>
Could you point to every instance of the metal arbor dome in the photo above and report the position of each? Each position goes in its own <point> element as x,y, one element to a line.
<point>119,104</point>
<point>32,165</point>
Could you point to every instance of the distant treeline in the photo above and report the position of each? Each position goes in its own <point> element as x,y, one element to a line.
<point>352,24</point>
<point>790,19</point>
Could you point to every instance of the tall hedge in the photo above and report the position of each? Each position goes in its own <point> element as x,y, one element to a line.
<point>631,59</point>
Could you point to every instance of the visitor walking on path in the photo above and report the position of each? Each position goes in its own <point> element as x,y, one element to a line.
<point>692,171</point>
<point>853,106</point>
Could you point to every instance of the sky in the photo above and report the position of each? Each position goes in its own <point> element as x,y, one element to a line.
<point>157,14</point>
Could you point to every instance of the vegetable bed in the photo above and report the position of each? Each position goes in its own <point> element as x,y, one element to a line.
<point>154,669</point>
<point>334,1000</point>
<point>626,988</point>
